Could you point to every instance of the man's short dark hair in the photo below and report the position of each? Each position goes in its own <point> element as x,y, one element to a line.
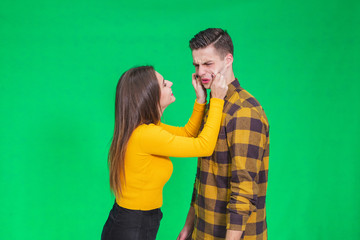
<point>216,36</point>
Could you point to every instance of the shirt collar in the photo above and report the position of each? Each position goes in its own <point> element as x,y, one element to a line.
<point>232,88</point>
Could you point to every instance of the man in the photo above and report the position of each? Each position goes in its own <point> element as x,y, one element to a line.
<point>230,188</point>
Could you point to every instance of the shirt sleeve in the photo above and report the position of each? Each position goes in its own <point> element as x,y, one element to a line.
<point>247,142</point>
<point>157,141</point>
<point>191,129</point>
<point>193,198</point>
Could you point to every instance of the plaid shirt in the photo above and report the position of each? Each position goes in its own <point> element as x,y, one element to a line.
<point>230,186</point>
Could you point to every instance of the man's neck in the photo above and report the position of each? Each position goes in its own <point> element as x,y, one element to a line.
<point>230,77</point>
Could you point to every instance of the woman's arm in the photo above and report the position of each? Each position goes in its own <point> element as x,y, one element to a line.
<point>157,141</point>
<point>191,129</point>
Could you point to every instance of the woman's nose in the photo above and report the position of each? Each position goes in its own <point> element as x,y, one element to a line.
<point>170,83</point>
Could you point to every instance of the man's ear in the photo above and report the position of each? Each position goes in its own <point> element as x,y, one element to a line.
<point>229,59</point>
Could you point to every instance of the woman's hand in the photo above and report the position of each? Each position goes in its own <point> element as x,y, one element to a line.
<point>199,89</point>
<point>219,87</point>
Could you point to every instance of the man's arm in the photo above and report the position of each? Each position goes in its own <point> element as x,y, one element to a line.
<point>246,139</point>
<point>233,235</point>
<point>189,226</point>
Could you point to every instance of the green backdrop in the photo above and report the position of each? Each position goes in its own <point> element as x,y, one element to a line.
<point>60,62</point>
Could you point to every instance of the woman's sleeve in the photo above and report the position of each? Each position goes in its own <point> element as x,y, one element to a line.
<point>158,141</point>
<point>191,129</point>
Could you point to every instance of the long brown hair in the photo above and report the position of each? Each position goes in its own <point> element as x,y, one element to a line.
<point>136,102</point>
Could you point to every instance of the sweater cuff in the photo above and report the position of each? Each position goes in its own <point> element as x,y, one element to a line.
<point>216,102</point>
<point>199,105</point>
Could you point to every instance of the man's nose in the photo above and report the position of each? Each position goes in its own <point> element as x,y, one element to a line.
<point>201,71</point>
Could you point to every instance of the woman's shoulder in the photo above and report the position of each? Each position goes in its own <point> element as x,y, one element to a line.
<point>146,129</point>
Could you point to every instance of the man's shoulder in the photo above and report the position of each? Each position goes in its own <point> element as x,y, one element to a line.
<point>242,100</point>
<point>243,105</point>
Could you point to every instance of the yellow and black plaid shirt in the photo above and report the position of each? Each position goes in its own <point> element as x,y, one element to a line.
<point>230,185</point>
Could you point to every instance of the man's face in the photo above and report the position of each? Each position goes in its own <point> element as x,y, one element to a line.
<point>208,63</point>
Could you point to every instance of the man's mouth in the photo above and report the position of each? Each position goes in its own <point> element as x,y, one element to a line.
<point>205,81</point>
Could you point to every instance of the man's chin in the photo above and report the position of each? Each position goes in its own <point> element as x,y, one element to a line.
<point>207,85</point>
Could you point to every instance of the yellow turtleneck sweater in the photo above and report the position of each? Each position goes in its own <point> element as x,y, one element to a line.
<point>147,163</point>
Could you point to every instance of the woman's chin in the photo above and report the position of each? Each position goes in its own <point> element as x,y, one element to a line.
<point>172,99</point>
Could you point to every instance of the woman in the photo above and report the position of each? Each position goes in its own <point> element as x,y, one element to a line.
<point>139,161</point>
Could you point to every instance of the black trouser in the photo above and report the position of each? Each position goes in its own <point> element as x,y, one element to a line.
<point>126,224</point>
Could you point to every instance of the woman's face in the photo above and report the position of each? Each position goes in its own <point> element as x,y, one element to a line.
<point>166,95</point>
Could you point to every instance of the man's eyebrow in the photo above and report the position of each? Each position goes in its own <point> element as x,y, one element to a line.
<point>206,62</point>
